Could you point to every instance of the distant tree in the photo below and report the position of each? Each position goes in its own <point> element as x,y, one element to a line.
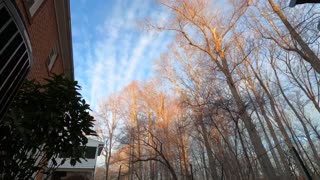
<point>108,121</point>
<point>44,121</point>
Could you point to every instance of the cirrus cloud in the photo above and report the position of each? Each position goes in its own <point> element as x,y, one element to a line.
<point>110,50</point>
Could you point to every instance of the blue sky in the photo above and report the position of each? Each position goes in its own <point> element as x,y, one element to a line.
<point>109,48</point>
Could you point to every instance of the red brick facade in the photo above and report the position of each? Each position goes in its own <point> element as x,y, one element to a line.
<point>43,34</point>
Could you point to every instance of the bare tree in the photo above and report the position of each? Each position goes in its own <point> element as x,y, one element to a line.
<point>199,28</point>
<point>109,122</point>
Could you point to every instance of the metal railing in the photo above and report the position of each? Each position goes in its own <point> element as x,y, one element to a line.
<point>15,53</point>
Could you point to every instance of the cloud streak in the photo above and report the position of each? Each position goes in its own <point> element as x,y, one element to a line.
<point>116,52</point>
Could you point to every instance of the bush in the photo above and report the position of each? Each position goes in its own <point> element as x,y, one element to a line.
<point>43,121</point>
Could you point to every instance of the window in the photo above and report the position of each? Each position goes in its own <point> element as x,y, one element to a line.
<point>32,6</point>
<point>15,53</point>
<point>52,57</point>
<point>90,152</point>
<point>100,148</point>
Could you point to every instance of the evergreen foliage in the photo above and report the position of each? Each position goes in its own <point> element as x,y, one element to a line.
<point>44,121</point>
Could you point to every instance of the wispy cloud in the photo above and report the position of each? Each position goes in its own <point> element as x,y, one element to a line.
<point>116,51</point>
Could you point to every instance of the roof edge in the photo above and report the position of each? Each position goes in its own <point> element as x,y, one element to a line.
<point>63,17</point>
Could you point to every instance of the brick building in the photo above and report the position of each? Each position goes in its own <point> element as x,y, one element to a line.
<point>35,41</point>
<point>48,25</point>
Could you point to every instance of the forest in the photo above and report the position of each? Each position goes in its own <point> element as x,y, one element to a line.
<point>236,96</point>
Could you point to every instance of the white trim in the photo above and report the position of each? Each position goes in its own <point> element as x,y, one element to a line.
<point>35,6</point>
<point>52,57</point>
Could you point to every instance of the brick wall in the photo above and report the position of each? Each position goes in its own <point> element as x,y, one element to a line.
<point>43,33</point>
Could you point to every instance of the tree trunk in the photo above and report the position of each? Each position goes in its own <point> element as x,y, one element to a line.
<point>212,164</point>
<point>279,123</point>
<point>272,149</point>
<point>259,149</point>
<point>307,54</point>
<point>204,163</point>
<point>245,152</point>
<point>273,135</point>
<point>313,149</point>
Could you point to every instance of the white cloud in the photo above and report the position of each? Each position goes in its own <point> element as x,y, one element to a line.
<point>117,52</point>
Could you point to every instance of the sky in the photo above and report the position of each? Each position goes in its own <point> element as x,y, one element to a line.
<point>110,49</point>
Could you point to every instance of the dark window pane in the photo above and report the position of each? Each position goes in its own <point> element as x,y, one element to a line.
<point>90,152</point>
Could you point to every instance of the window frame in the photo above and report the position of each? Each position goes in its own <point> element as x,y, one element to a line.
<point>32,7</point>
<point>52,57</point>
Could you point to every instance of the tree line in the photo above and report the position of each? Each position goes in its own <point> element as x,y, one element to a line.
<point>237,97</point>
